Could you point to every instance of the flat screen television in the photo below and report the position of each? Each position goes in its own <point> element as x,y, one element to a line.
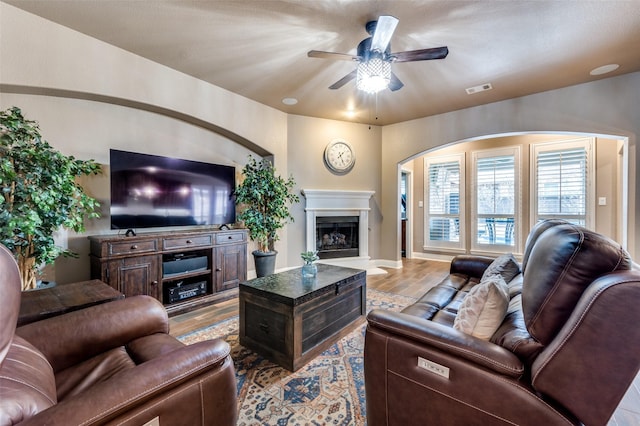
<point>149,191</point>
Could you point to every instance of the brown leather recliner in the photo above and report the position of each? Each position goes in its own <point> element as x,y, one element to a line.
<point>565,353</point>
<point>113,363</point>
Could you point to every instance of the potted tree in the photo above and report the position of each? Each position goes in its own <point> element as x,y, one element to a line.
<point>40,194</point>
<point>264,199</point>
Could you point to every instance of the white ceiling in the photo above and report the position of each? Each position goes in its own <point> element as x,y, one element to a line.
<point>258,48</point>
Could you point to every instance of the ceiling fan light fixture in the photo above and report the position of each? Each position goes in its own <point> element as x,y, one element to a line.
<point>373,75</point>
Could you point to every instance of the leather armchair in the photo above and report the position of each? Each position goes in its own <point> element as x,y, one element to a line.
<point>113,363</point>
<point>565,353</point>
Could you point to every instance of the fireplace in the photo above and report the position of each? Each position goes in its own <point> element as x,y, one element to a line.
<point>337,236</point>
<point>343,217</point>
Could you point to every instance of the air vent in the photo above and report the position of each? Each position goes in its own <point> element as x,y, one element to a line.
<point>480,88</point>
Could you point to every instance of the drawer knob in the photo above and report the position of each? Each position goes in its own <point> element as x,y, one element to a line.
<point>264,327</point>
<point>133,247</point>
<point>230,237</point>
<point>218,269</point>
<point>189,241</point>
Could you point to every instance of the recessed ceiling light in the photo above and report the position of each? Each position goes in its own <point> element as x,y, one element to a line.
<point>604,69</point>
<point>289,101</point>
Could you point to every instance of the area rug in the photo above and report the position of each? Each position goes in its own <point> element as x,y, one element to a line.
<point>327,390</point>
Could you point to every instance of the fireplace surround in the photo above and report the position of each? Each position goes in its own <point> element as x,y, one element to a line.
<point>345,207</point>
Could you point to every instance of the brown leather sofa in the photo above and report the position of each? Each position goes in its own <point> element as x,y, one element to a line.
<point>108,364</point>
<point>565,352</point>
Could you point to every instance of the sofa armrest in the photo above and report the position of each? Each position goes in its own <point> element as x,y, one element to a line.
<point>471,265</point>
<point>130,392</point>
<point>447,339</point>
<point>68,339</point>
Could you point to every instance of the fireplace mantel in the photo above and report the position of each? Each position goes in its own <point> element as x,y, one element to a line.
<point>328,199</point>
<point>327,202</point>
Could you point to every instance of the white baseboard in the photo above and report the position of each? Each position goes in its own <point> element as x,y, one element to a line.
<point>391,264</point>
<point>433,256</point>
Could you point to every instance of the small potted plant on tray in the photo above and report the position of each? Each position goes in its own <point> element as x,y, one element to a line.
<point>309,269</point>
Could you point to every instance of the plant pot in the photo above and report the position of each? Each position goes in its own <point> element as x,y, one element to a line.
<point>265,262</point>
<point>309,270</point>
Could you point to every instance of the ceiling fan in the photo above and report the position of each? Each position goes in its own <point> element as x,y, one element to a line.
<point>374,58</point>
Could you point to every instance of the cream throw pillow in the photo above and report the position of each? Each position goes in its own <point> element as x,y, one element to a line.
<point>483,309</point>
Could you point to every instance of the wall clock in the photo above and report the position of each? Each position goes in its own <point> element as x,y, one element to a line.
<point>339,156</point>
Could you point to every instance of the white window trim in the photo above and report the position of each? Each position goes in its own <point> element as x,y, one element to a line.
<point>589,145</point>
<point>450,246</point>
<point>497,248</point>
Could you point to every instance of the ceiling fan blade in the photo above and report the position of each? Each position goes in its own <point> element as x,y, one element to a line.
<point>421,54</point>
<point>395,83</point>
<point>331,55</point>
<point>344,80</point>
<point>382,35</point>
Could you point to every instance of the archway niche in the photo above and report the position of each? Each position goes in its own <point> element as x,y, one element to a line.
<point>611,186</point>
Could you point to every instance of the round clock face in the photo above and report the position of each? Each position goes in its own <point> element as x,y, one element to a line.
<point>339,156</point>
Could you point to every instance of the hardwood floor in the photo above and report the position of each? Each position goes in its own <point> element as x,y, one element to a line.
<point>412,280</point>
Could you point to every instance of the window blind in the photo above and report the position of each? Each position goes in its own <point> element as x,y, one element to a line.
<point>561,178</point>
<point>444,201</point>
<point>495,185</point>
<point>444,188</point>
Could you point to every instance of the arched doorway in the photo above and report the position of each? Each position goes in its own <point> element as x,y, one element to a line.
<point>610,189</point>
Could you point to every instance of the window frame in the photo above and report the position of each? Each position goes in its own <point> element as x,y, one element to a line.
<point>476,246</point>
<point>445,245</point>
<point>590,195</point>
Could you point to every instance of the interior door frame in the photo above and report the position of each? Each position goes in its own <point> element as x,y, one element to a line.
<point>409,208</point>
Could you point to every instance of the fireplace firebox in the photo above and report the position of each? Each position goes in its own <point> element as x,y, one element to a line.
<point>337,236</point>
<point>335,213</point>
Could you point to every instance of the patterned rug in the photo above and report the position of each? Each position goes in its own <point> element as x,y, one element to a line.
<point>328,390</point>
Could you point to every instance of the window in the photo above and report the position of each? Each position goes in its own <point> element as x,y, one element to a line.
<point>558,180</point>
<point>496,189</point>
<point>444,218</point>
<point>560,184</point>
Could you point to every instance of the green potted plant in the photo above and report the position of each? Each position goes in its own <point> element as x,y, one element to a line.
<point>40,194</point>
<point>264,199</point>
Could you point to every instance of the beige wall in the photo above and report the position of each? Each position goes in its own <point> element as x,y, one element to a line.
<point>89,129</point>
<point>39,56</point>
<point>607,186</point>
<point>307,139</point>
<point>90,96</point>
<point>604,107</point>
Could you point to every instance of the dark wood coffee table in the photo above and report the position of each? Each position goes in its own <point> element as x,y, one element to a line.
<point>290,320</point>
<point>36,305</point>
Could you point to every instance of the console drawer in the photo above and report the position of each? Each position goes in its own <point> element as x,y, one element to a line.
<point>229,237</point>
<point>187,242</point>
<point>131,247</point>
